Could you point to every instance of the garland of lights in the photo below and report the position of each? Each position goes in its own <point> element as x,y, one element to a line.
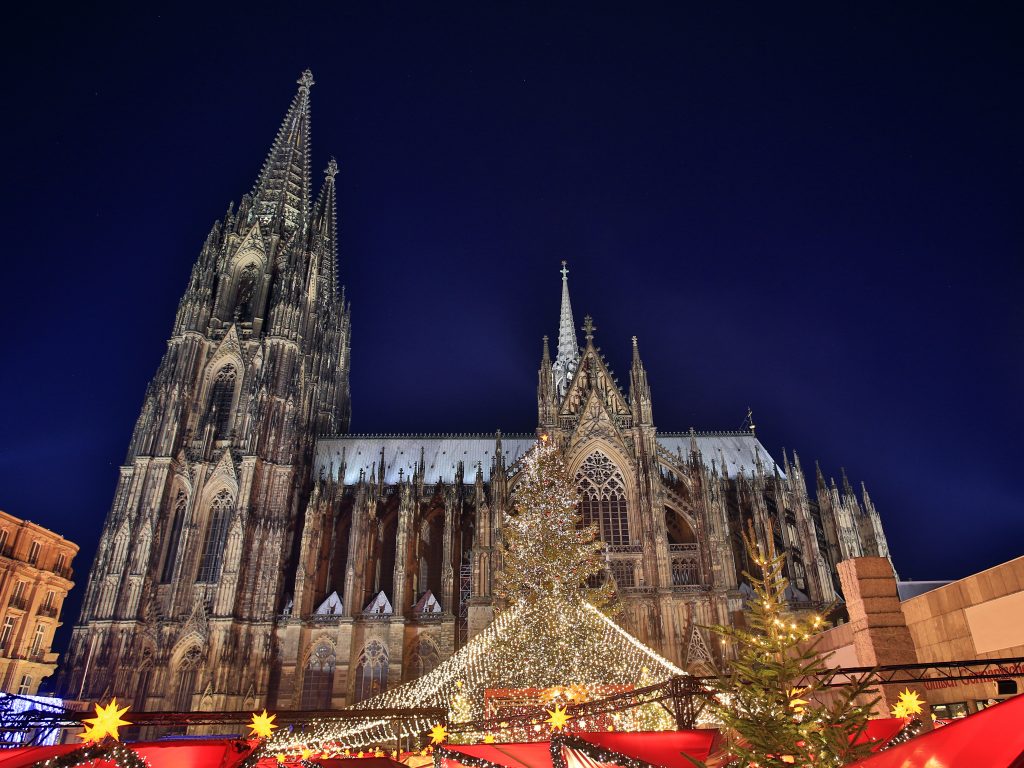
<point>909,731</point>
<point>84,756</point>
<point>594,751</point>
<point>442,753</point>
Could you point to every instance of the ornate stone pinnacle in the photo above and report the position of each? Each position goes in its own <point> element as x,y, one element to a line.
<point>588,327</point>
<point>332,168</point>
<point>634,341</point>
<point>306,80</point>
<point>564,271</point>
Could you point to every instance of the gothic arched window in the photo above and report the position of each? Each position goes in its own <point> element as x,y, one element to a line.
<point>222,395</point>
<point>216,534</point>
<point>371,671</point>
<point>245,296</point>
<point>603,492</point>
<point>188,671</point>
<point>174,535</point>
<point>319,679</point>
<point>424,658</point>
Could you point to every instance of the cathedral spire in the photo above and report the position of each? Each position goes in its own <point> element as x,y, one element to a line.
<point>281,196</point>
<point>568,357</point>
<point>325,228</point>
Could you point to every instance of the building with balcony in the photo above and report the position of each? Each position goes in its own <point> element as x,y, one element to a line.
<point>35,577</point>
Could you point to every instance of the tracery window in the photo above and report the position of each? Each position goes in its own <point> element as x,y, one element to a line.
<point>222,395</point>
<point>424,658</point>
<point>188,672</point>
<point>799,575</point>
<point>372,670</point>
<point>216,535</point>
<point>603,492</point>
<point>246,294</point>
<point>318,683</point>
<point>177,521</point>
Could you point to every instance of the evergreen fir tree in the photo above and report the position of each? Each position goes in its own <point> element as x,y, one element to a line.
<point>545,550</point>
<point>769,700</point>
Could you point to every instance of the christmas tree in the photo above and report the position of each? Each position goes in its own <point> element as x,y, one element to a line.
<point>770,702</point>
<point>545,550</point>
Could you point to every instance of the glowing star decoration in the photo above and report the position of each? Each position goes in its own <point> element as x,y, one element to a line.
<point>558,717</point>
<point>438,734</point>
<point>107,721</point>
<point>306,754</point>
<point>89,734</point>
<point>489,738</point>
<point>911,703</point>
<point>262,725</point>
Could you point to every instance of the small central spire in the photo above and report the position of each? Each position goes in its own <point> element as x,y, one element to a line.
<point>568,357</point>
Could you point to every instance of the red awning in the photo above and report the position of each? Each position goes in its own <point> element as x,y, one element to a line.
<point>880,731</point>
<point>535,754</point>
<point>993,738</point>
<point>199,753</point>
<point>661,748</point>
<point>590,750</point>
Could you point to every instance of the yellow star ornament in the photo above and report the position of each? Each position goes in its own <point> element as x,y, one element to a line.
<point>438,734</point>
<point>558,717</point>
<point>262,725</point>
<point>911,702</point>
<point>489,738</point>
<point>89,734</point>
<point>107,721</point>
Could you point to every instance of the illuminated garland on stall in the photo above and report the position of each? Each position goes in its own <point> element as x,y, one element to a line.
<point>84,756</point>
<point>594,751</point>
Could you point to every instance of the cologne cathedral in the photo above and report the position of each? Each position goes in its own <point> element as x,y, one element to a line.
<point>257,554</point>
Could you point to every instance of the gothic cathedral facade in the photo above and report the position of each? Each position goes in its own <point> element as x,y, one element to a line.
<point>256,554</point>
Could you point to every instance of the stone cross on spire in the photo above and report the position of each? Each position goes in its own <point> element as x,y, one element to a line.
<point>306,80</point>
<point>568,357</point>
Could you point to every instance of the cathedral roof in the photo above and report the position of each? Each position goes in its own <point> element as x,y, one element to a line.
<point>442,454</point>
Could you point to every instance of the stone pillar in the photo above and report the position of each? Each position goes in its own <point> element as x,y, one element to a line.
<point>880,634</point>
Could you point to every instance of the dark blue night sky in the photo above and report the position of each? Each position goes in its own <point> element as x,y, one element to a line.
<point>812,210</point>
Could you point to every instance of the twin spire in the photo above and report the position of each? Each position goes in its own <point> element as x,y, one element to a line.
<point>282,194</point>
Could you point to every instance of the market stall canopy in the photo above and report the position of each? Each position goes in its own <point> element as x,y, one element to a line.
<point>173,753</point>
<point>668,749</point>
<point>536,754</point>
<point>993,738</point>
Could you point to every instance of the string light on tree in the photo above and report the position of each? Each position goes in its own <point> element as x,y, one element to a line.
<point>770,703</point>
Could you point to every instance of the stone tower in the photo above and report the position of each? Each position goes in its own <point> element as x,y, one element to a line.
<point>189,576</point>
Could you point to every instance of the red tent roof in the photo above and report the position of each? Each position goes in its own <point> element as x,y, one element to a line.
<point>581,750</point>
<point>535,754</point>
<point>993,738</point>
<point>200,753</point>
<point>664,748</point>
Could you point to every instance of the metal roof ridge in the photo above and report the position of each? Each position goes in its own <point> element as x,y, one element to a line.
<point>711,433</point>
<point>426,435</point>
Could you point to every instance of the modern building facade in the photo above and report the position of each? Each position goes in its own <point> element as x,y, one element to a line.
<point>35,578</point>
<point>980,617</point>
<point>258,554</point>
